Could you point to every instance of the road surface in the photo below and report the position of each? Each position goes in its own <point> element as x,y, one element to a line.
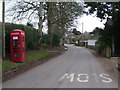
<point>76,68</point>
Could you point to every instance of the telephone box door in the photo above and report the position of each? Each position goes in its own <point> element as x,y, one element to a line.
<point>17,46</point>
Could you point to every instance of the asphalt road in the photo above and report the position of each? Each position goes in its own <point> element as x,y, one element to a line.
<point>76,68</point>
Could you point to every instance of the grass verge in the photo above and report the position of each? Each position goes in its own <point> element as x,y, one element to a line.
<point>31,56</point>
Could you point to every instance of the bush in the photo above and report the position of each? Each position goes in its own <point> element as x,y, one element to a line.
<point>46,40</point>
<point>31,36</point>
<point>72,40</point>
<point>56,40</point>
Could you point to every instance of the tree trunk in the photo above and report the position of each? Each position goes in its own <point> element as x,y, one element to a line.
<point>63,34</point>
<point>62,22</point>
<point>51,25</point>
<point>3,30</point>
<point>40,22</point>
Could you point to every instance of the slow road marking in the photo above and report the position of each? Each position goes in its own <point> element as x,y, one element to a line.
<point>84,77</point>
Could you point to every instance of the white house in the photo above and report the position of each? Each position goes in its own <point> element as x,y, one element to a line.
<point>91,42</point>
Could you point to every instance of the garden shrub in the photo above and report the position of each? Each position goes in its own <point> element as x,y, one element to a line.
<point>31,36</point>
<point>55,40</point>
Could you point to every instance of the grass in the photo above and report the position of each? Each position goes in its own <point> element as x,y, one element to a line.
<point>31,56</point>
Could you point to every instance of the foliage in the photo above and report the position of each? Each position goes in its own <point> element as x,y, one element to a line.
<point>28,11</point>
<point>31,57</point>
<point>72,40</point>
<point>103,9</point>
<point>29,24</point>
<point>31,35</point>
<point>55,40</point>
<point>105,39</point>
<point>106,10</point>
<point>75,32</point>
<point>59,15</point>
<point>46,39</point>
<point>96,31</point>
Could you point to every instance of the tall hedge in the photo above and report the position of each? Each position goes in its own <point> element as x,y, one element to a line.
<point>0,40</point>
<point>31,35</point>
<point>55,40</point>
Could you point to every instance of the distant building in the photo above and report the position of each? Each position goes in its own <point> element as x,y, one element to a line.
<point>91,42</point>
<point>85,36</point>
<point>69,36</point>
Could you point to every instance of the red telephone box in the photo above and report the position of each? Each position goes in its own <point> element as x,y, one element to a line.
<point>17,46</point>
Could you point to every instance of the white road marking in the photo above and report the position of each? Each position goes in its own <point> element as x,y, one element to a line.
<point>71,76</point>
<point>106,78</point>
<point>81,80</point>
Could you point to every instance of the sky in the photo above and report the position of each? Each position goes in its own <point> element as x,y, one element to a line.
<point>0,11</point>
<point>89,21</point>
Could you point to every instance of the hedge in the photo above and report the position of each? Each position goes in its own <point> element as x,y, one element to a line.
<point>31,35</point>
<point>55,40</point>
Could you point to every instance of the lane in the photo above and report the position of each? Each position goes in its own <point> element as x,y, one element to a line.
<point>76,68</point>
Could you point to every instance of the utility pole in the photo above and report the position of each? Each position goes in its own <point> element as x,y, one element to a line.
<point>82,27</point>
<point>82,35</point>
<point>3,29</point>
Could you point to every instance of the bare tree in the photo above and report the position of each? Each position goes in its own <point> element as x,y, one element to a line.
<point>51,19</point>
<point>68,12</point>
<point>60,15</point>
<point>28,10</point>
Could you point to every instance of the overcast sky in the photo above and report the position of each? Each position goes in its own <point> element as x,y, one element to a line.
<point>0,11</point>
<point>89,21</point>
